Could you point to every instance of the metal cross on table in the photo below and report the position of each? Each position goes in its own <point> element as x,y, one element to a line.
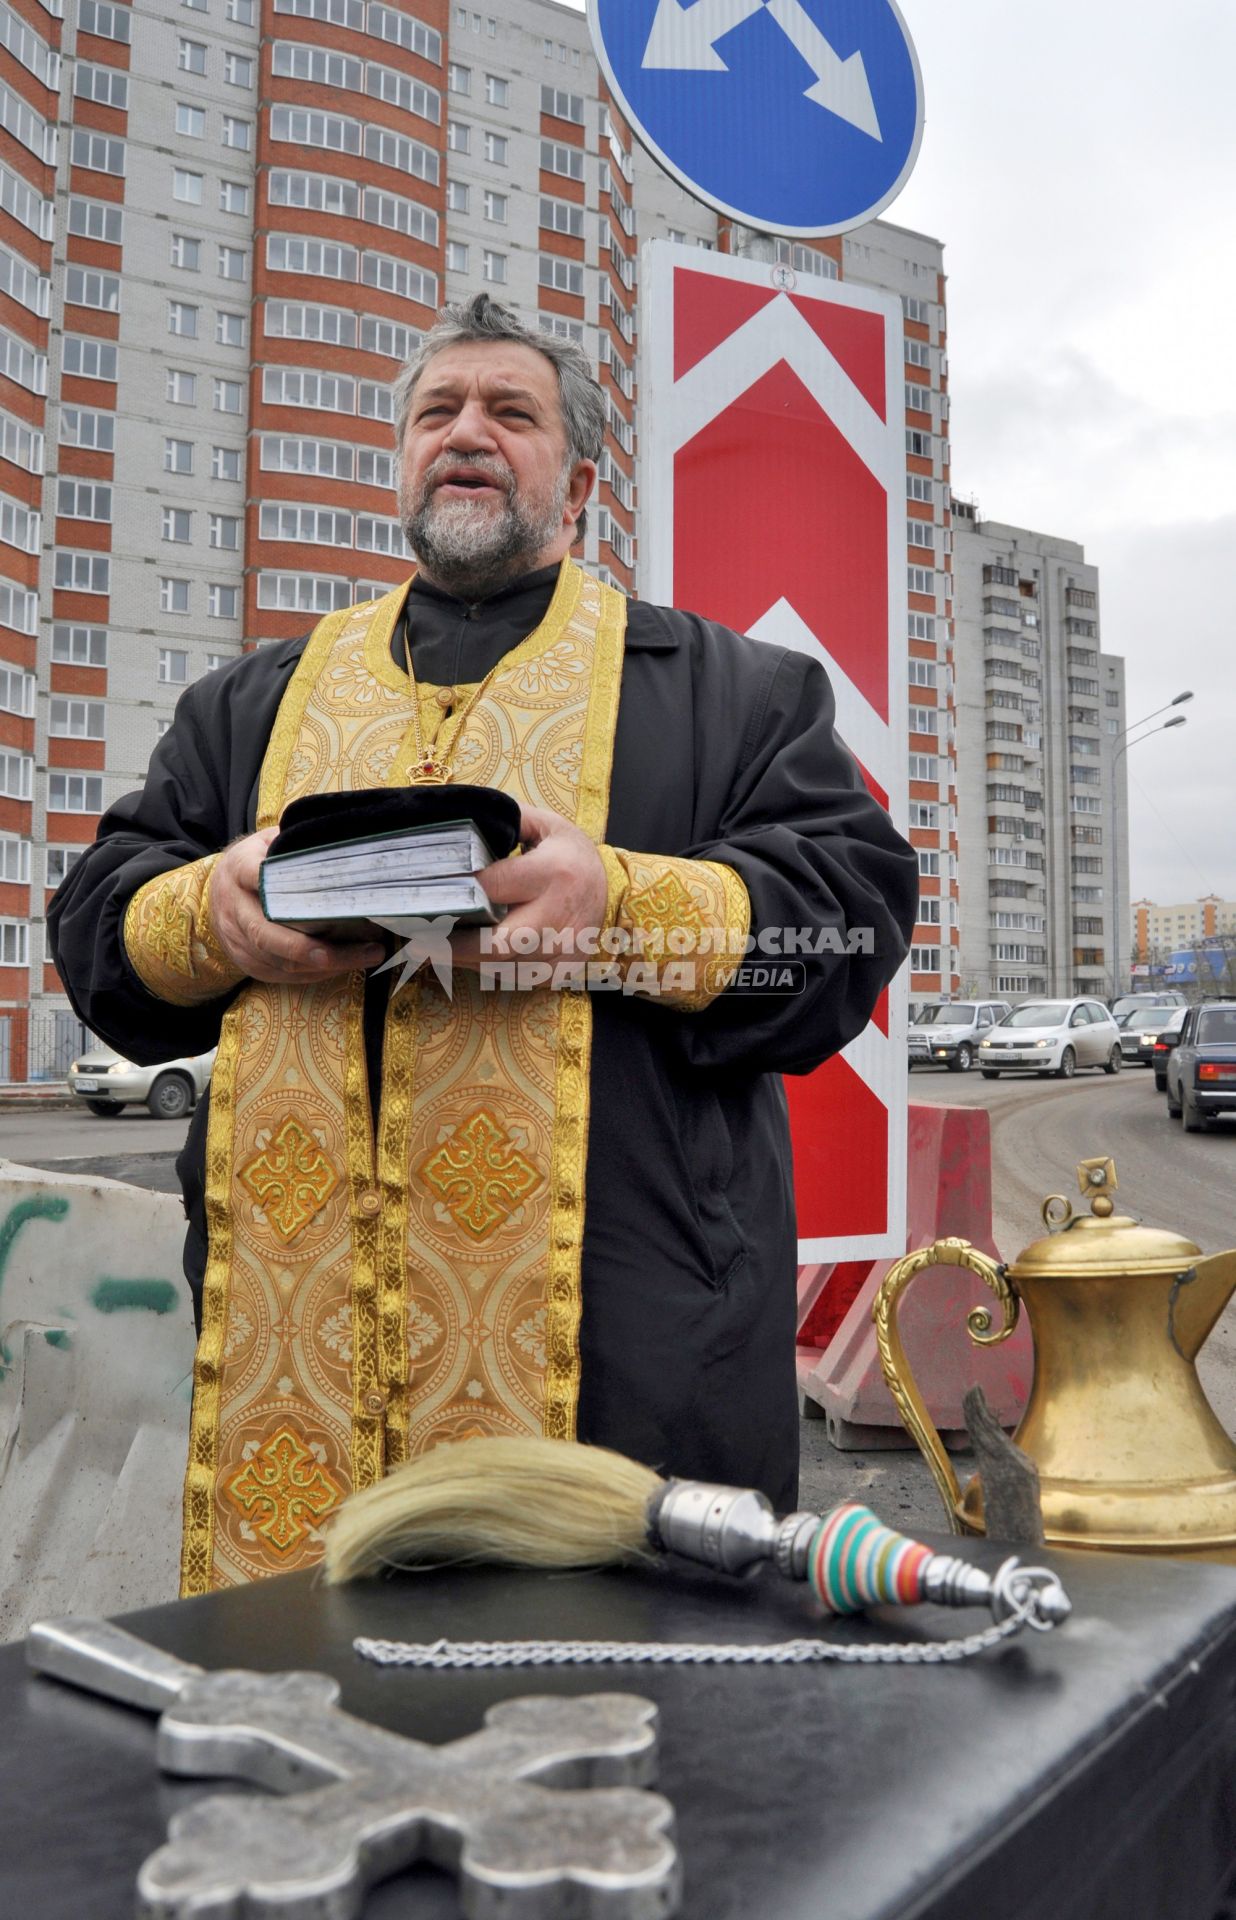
<point>364,1802</point>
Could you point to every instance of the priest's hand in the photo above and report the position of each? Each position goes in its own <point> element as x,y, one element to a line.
<point>262,950</point>
<point>557,885</point>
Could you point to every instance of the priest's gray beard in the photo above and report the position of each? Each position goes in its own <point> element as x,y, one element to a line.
<point>471,548</point>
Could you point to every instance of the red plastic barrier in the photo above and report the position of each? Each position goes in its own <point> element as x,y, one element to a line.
<point>948,1194</point>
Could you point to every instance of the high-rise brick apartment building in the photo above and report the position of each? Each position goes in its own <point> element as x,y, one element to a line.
<point>223,224</point>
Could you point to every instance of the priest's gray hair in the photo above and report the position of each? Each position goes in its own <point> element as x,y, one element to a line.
<point>579,391</point>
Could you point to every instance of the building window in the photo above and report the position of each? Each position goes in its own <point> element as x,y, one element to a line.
<point>173,669</point>
<point>557,158</point>
<point>566,276</point>
<point>83,287</point>
<point>75,793</point>
<point>237,133</point>
<point>562,106</point>
<point>229,396</point>
<point>83,500</point>
<point>457,195</point>
<point>14,943</point>
<point>230,329</point>
<point>173,595</point>
<point>459,79</point>
<point>187,186</point>
<point>16,692</point>
<point>237,70</point>
<point>16,776</point>
<point>80,646</point>
<point>76,719</point>
<point>83,572</point>
<point>222,603</point>
<point>225,531</point>
<point>96,152</point>
<point>497,148</point>
<point>178,456</point>
<point>186,252</point>
<point>233,263</point>
<point>60,863</point>
<point>233,196</point>
<point>562,216</point>
<point>497,90</point>
<point>191,56</point>
<point>924,959</point>
<point>456,257</point>
<point>458,136</point>
<point>181,387</point>
<point>96,220</point>
<point>495,208</point>
<point>177,524</point>
<point>190,121</point>
<point>110,23</point>
<point>493,267</point>
<point>182,319</point>
<point>226,463</point>
<point>241,12</point>
<point>92,359</point>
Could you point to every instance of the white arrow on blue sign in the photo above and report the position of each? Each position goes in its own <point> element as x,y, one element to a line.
<point>794,116</point>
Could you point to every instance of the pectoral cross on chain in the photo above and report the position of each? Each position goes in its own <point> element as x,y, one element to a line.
<point>363,1803</point>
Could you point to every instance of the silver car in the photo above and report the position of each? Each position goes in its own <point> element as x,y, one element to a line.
<point>1052,1036</point>
<point>1138,1029</point>
<point>108,1083</point>
<point>946,1033</point>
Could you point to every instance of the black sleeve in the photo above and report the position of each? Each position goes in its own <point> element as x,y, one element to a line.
<point>200,794</point>
<point>816,852</point>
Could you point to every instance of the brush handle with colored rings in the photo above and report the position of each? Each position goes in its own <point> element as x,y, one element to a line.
<point>855,1562</point>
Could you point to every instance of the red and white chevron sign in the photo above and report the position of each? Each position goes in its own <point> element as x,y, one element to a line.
<point>773,499</point>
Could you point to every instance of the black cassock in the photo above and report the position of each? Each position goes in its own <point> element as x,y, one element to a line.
<point>724,750</point>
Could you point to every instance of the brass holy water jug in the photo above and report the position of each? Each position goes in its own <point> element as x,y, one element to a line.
<point>1129,1452</point>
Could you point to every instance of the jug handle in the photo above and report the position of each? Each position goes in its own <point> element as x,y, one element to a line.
<point>897,1372</point>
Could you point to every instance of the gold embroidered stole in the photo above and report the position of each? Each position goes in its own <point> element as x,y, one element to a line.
<point>372,1290</point>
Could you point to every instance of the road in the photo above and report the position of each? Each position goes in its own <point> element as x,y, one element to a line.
<point>1040,1130</point>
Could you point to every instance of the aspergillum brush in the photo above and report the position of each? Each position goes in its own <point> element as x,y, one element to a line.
<point>554,1504</point>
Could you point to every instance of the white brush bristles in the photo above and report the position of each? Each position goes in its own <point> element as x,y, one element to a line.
<point>518,1502</point>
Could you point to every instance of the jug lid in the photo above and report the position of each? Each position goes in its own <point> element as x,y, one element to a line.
<point>1102,1242</point>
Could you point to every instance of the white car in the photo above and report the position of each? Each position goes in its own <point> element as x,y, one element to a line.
<point>1052,1036</point>
<point>108,1083</point>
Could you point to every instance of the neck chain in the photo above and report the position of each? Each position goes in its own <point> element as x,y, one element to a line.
<point>432,766</point>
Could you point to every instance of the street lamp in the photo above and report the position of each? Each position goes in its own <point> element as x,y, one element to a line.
<point>1177,720</point>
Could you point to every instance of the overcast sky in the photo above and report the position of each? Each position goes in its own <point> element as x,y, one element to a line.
<point>1079,164</point>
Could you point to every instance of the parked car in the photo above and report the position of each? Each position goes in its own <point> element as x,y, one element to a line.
<point>1052,1036</point>
<point>1164,1040</point>
<point>1201,1067</point>
<point>1161,997</point>
<point>946,1033</point>
<point>1138,1029</point>
<point>108,1083</point>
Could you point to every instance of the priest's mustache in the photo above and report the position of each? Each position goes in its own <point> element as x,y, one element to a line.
<point>482,464</point>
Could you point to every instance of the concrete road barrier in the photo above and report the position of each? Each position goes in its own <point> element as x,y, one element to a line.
<point>96,1358</point>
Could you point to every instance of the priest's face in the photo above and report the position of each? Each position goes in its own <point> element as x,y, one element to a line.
<point>487,490</point>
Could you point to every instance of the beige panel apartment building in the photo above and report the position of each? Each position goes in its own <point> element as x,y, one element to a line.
<point>1042,805</point>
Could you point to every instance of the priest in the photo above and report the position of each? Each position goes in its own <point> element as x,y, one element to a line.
<point>417,1215</point>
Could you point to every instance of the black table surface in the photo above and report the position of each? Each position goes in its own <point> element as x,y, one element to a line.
<point>1086,1773</point>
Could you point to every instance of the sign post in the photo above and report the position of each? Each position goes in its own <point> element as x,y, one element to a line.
<point>773,476</point>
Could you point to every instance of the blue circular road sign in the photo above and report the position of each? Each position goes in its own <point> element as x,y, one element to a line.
<point>795,116</point>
